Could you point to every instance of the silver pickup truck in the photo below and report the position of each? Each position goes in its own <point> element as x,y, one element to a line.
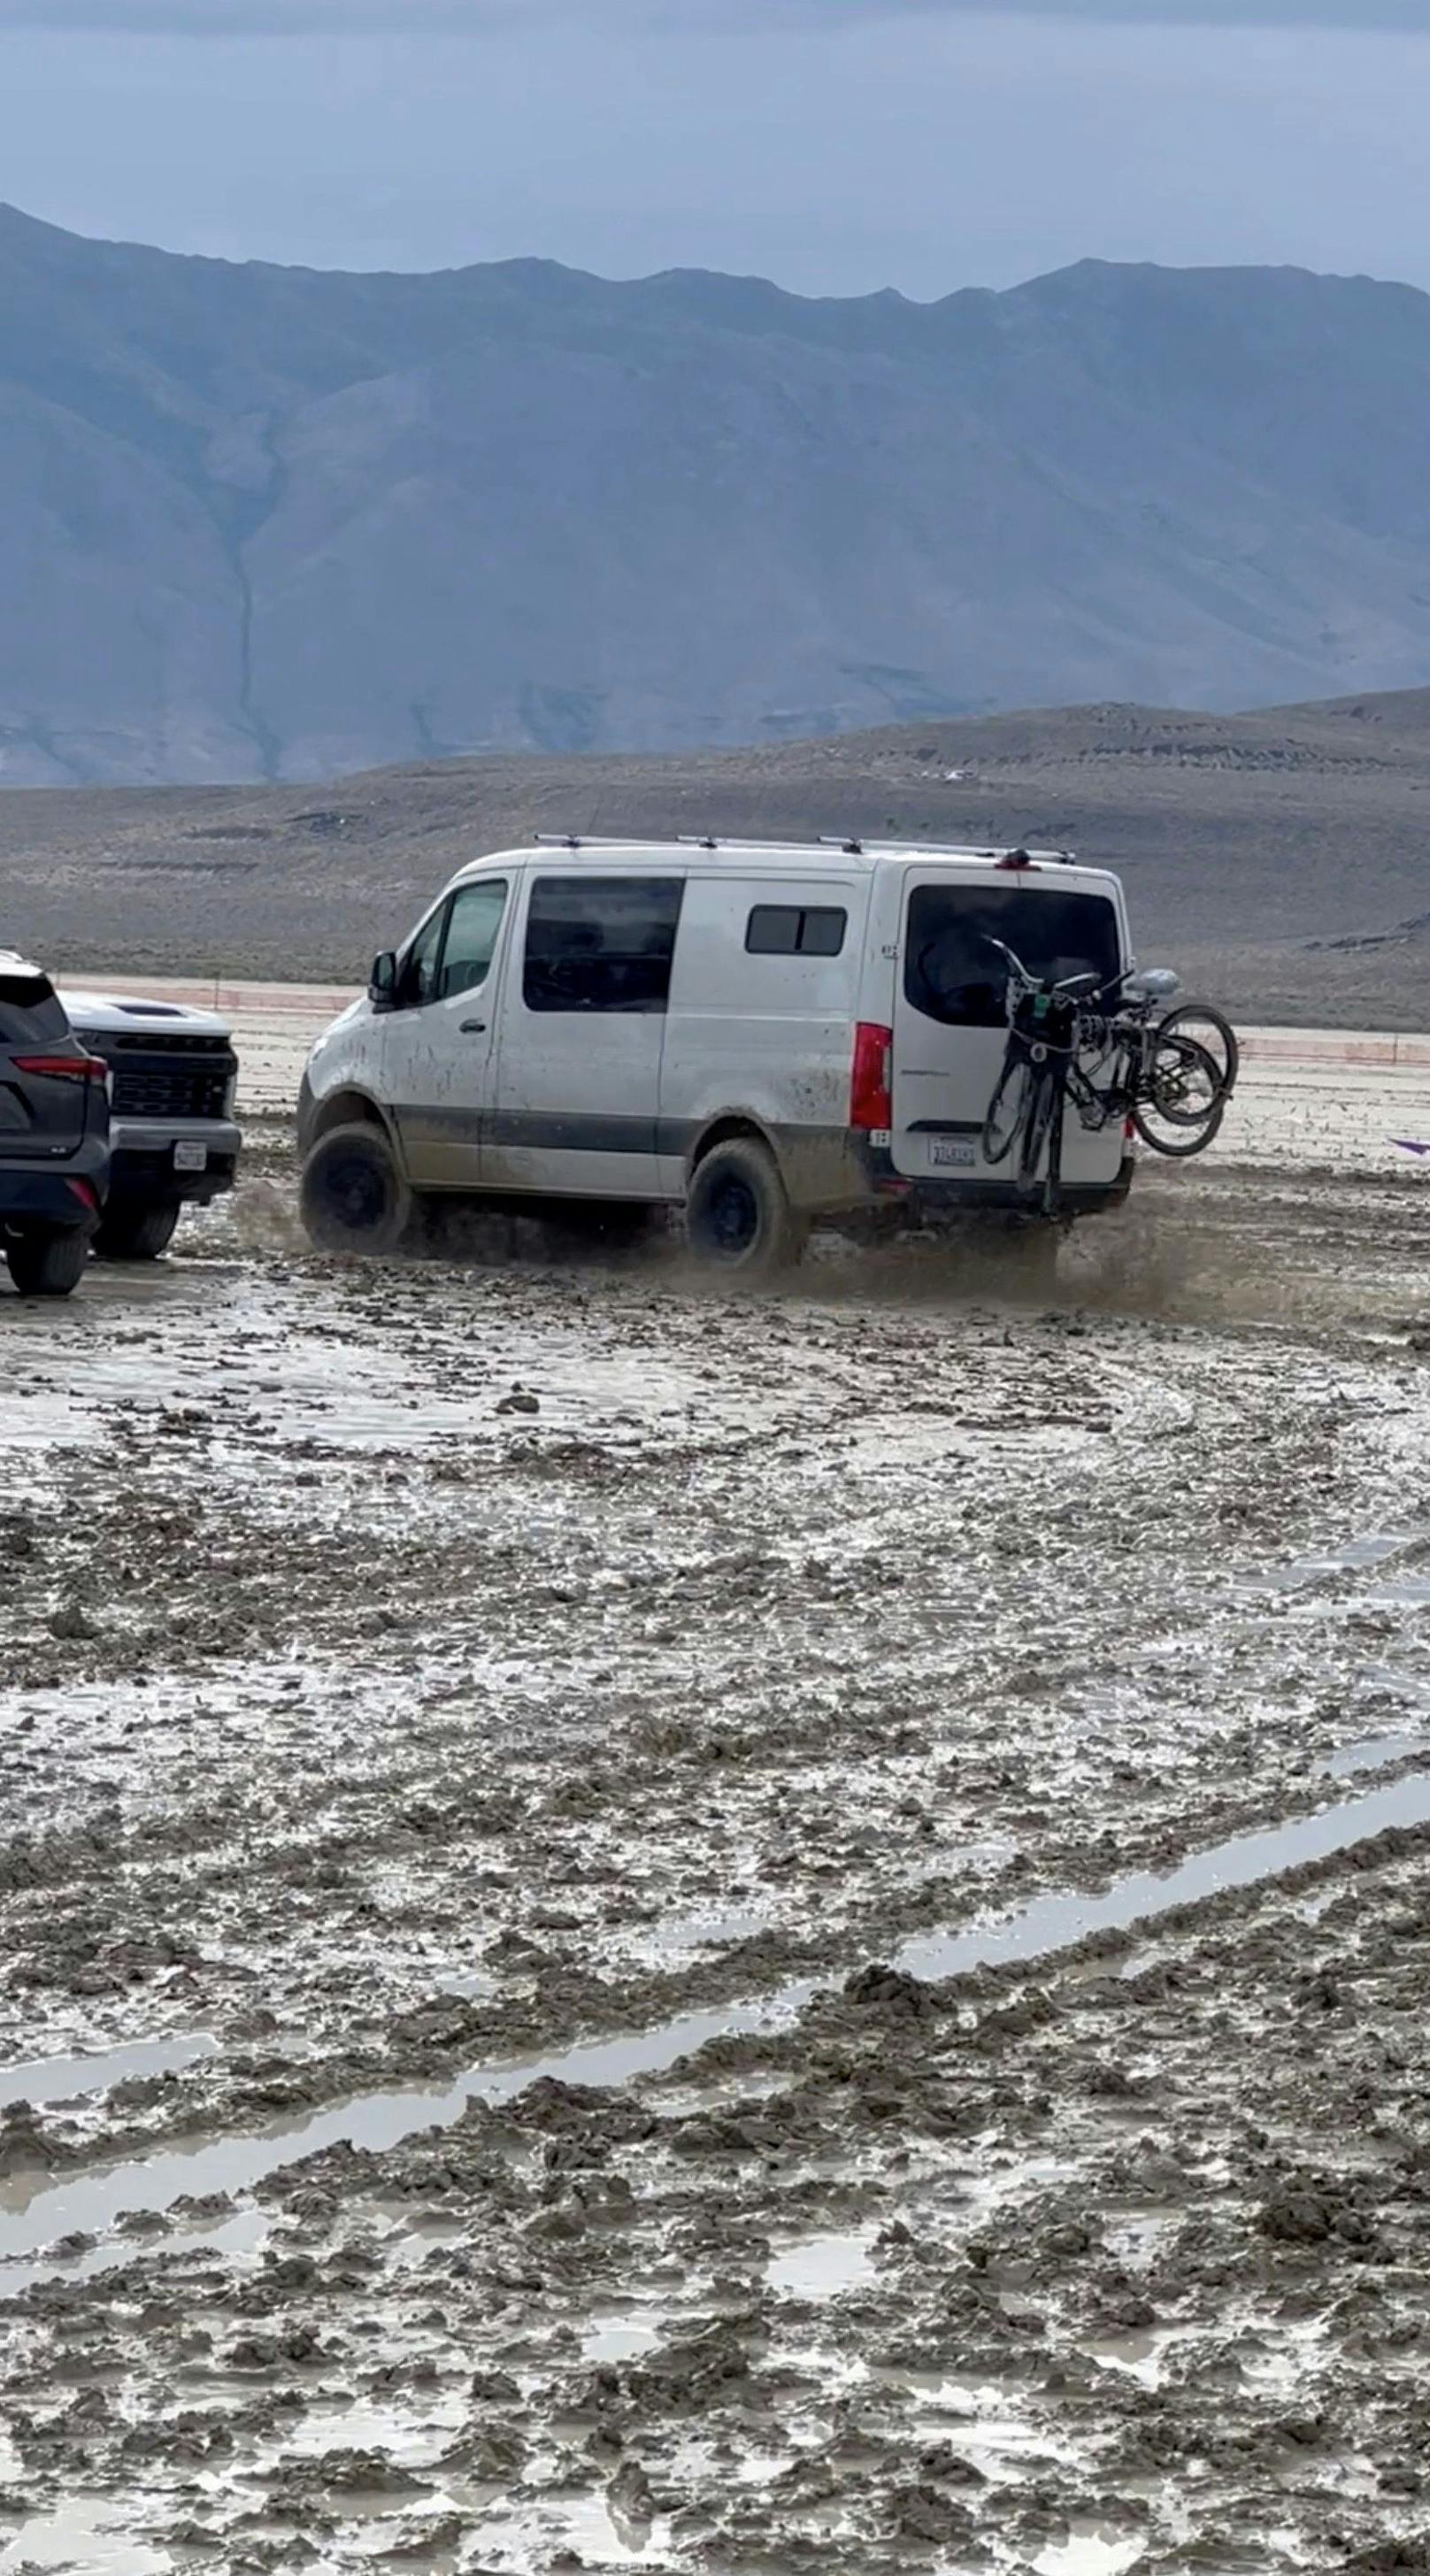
<point>172,1133</point>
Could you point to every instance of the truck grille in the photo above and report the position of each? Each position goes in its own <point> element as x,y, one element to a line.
<point>163,1077</point>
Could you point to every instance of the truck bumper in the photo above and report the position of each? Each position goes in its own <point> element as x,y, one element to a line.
<point>143,1165</point>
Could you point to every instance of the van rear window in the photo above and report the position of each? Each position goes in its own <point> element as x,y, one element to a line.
<point>953,973</point>
<point>795,930</point>
<point>30,1011</point>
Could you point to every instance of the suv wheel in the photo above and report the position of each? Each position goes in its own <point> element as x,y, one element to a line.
<point>136,1233</point>
<point>48,1261</point>
<point>738,1218</point>
<point>353,1197</point>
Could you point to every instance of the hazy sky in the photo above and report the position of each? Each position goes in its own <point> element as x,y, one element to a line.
<point>837,145</point>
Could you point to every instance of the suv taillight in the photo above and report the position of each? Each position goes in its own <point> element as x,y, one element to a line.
<point>64,1068</point>
<point>871,1088</point>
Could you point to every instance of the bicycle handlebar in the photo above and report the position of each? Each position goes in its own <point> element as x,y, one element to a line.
<point>1038,984</point>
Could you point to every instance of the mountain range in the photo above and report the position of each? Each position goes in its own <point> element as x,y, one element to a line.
<point>275,524</point>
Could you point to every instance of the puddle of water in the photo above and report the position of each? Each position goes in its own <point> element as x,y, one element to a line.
<point>81,2534</point>
<point>1090,2549</point>
<point>999,2442</point>
<point>1060,1922</point>
<point>614,2337</point>
<point>1372,1753</point>
<point>473,1985</point>
<point>715,1928</point>
<point>1141,2355</point>
<point>1136,2234</point>
<point>1358,1552</point>
<point>823,2267</point>
<point>1354,1557</point>
<point>242,2234</point>
<point>356,2424</point>
<point>582,2523</point>
<point>61,2079</point>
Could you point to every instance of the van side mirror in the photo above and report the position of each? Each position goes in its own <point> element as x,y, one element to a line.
<point>382,983</point>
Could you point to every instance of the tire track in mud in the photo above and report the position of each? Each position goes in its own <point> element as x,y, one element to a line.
<point>981,2331</point>
<point>1052,1926</point>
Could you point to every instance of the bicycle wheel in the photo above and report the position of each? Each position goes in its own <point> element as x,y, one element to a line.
<point>1210,1029</point>
<point>1008,1109</point>
<point>1037,1132</point>
<point>1182,1108</point>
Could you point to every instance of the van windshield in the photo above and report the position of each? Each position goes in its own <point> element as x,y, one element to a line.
<point>952,973</point>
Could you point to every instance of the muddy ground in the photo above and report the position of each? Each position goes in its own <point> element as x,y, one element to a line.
<point>645,1930</point>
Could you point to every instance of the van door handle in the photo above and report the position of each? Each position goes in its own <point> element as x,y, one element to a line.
<point>473,1028</point>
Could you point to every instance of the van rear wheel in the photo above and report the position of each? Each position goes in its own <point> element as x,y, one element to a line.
<point>353,1197</point>
<point>738,1219</point>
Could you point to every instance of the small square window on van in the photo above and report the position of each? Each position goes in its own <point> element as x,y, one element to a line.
<point>795,930</point>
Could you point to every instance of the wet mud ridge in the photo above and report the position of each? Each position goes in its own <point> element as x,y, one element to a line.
<point>647,1931</point>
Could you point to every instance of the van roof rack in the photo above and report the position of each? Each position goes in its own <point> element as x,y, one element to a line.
<point>853,845</point>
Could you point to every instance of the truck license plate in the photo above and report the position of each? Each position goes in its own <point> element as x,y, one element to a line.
<point>953,1152</point>
<point>190,1157</point>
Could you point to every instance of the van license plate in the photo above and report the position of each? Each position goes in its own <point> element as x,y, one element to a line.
<point>190,1157</point>
<point>956,1153</point>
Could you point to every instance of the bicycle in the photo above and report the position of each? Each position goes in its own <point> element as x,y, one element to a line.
<point>1170,1085</point>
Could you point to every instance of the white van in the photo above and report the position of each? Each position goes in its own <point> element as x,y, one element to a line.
<point>760,1035</point>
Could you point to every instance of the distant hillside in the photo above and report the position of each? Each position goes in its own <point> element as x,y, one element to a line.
<point>266,523</point>
<point>1278,858</point>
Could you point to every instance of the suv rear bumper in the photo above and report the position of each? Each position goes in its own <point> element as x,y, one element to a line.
<point>143,1168</point>
<point>69,1193</point>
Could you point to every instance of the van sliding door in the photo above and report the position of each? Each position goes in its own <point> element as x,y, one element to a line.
<point>583,1034</point>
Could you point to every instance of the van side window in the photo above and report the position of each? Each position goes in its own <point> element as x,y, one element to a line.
<point>418,973</point>
<point>601,943</point>
<point>472,926</point>
<point>952,973</point>
<point>795,930</point>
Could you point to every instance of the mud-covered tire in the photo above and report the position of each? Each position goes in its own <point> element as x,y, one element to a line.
<point>738,1219</point>
<point>136,1234</point>
<point>353,1198</point>
<point>48,1261</point>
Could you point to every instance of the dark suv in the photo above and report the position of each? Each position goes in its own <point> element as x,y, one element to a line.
<point>54,1135</point>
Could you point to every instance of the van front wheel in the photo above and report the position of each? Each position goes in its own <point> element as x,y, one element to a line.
<point>354,1199</point>
<point>738,1218</point>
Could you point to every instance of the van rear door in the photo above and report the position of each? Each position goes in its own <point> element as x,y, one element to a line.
<point>950,1009</point>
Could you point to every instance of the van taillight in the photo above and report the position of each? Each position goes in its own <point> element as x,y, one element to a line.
<point>871,1089</point>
